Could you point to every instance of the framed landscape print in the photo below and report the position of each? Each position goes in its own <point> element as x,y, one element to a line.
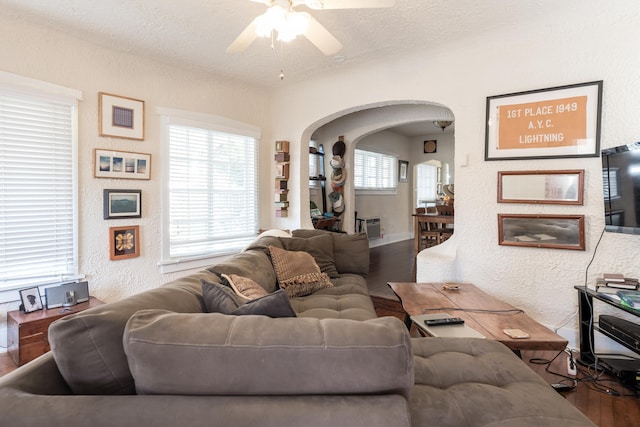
<point>542,231</point>
<point>124,242</point>
<point>121,164</point>
<point>122,204</point>
<point>562,187</point>
<point>121,117</point>
<point>556,122</point>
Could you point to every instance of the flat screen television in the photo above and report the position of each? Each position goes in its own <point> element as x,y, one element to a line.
<point>621,186</point>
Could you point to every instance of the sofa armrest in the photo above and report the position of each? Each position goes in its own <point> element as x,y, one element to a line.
<point>40,376</point>
<point>256,355</point>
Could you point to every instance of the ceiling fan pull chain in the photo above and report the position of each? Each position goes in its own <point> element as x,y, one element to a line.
<point>281,61</point>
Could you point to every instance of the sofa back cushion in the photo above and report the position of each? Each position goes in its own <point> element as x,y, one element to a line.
<point>350,251</point>
<point>253,264</point>
<point>256,355</point>
<point>87,346</point>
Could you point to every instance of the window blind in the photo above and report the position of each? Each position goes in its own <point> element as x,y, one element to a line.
<point>37,190</point>
<point>374,171</point>
<point>425,184</point>
<point>213,204</point>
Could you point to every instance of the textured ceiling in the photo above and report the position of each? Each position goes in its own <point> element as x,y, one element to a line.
<point>195,33</point>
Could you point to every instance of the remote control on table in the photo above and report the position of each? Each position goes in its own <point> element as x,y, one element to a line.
<point>445,321</point>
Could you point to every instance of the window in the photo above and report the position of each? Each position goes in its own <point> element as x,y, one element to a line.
<point>426,186</point>
<point>212,191</point>
<point>38,183</point>
<point>374,171</point>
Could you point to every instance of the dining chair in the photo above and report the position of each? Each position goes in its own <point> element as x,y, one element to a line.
<point>429,234</point>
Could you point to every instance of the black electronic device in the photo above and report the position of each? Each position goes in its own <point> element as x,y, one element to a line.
<point>626,370</point>
<point>625,331</point>
<point>444,321</point>
<point>621,187</point>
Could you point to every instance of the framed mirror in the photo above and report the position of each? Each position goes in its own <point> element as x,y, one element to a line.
<point>562,187</point>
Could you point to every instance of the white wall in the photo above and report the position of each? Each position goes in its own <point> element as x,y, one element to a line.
<point>576,44</point>
<point>32,51</point>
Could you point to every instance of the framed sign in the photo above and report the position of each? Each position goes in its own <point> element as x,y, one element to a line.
<point>121,117</point>
<point>562,187</point>
<point>542,231</point>
<point>121,164</point>
<point>122,204</point>
<point>556,122</point>
<point>124,242</point>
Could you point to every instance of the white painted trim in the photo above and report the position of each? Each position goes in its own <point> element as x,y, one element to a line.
<point>14,81</point>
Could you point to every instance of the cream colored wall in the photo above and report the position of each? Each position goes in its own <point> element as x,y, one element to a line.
<point>34,52</point>
<point>570,46</point>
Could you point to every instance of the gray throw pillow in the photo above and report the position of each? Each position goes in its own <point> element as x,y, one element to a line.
<point>219,299</point>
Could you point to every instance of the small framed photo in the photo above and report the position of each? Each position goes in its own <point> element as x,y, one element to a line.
<point>121,164</point>
<point>403,170</point>
<point>561,187</point>
<point>542,231</point>
<point>31,300</point>
<point>121,117</point>
<point>549,123</point>
<point>124,242</point>
<point>122,204</point>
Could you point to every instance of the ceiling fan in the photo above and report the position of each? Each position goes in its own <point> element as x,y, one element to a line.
<point>283,22</point>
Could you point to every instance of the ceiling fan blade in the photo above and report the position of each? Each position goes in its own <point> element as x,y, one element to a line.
<point>346,4</point>
<point>262,1</point>
<point>245,38</point>
<point>321,38</point>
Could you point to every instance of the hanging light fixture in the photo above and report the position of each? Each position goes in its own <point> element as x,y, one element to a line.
<point>288,24</point>
<point>443,124</point>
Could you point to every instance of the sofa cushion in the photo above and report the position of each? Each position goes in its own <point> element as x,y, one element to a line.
<point>220,299</point>
<point>297,272</point>
<point>251,355</point>
<point>253,264</point>
<point>350,251</point>
<point>87,346</point>
<point>244,287</point>
<point>319,247</point>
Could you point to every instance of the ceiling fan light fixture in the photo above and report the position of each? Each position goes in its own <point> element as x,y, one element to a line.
<point>443,124</point>
<point>288,25</point>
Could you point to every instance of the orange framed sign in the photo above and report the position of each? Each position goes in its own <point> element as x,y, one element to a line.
<point>556,122</point>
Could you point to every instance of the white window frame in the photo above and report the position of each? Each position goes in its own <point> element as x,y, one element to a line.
<point>217,124</point>
<point>32,88</point>
<point>391,160</point>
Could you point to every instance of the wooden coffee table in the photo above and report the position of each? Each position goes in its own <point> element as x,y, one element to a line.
<point>480,311</point>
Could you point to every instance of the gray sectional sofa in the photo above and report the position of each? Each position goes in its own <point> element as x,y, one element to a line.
<point>162,358</point>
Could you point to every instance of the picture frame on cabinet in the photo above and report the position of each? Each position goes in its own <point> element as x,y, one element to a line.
<point>122,204</point>
<point>121,116</point>
<point>31,299</point>
<point>124,242</point>
<point>556,122</point>
<point>121,164</point>
<point>542,231</point>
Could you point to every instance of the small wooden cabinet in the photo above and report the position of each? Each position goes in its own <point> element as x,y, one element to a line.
<point>27,333</point>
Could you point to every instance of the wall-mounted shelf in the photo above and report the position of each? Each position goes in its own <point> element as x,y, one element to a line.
<point>282,159</point>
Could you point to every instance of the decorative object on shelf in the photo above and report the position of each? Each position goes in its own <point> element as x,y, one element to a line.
<point>561,187</point>
<point>430,146</point>
<point>124,242</point>
<point>443,124</point>
<point>121,164</point>
<point>122,204</point>
<point>561,121</point>
<point>403,170</point>
<point>282,176</point>
<point>121,117</point>
<point>338,177</point>
<point>31,299</point>
<point>542,231</point>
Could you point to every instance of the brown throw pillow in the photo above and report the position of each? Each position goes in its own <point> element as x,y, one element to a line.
<point>244,287</point>
<point>297,272</point>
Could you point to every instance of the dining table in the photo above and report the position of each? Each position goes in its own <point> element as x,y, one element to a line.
<point>433,218</point>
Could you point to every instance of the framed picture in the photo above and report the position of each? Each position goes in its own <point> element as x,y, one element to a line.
<point>403,170</point>
<point>542,231</point>
<point>556,122</point>
<point>121,117</point>
<point>122,204</point>
<point>124,242</point>
<point>430,146</point>
<point>121,164</point>
<point>562,187</point>
<point>31,300</point>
